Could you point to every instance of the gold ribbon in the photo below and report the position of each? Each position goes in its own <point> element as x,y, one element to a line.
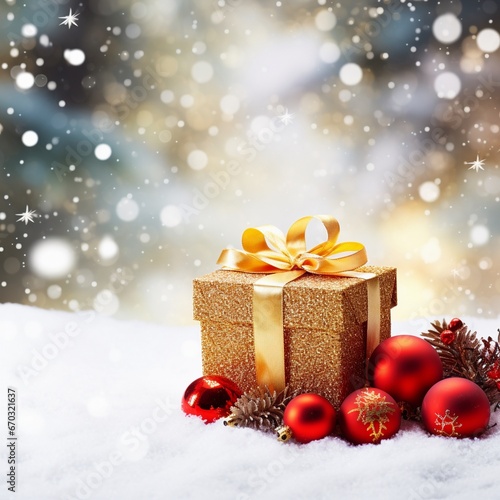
<point>266,250</point>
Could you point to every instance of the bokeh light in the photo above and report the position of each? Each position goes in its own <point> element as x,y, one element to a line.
<point>25,80</point>
<point>75,57</point>
<point>488,40</point>
<point>103,152</point>
<point>447,85</point>
<point>351,74</point>
<point>30,138</point>
<point>52,258</point>
<point>447,28</point>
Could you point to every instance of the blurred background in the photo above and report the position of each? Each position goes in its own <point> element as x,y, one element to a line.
<point>140,141</point>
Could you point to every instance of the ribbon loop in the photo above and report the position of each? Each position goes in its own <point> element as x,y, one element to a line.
<point>257,239</point>
<point>296,236</point>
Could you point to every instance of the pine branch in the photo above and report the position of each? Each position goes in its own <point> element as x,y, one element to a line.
<point>463,354</point>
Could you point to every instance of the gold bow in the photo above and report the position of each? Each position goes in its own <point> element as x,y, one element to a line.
<point>266,250</point>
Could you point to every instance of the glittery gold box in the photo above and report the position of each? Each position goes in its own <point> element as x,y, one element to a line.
<point>324,328</point>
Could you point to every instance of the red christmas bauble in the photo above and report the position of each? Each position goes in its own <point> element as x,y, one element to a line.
<point>456,407</point>
<point>447,337</point>
<point>369,415</point>
<point>406,367</point>
<point>309,417</point>
<point>494,373</point>
<point>210,397</point>
<point>455,324</point>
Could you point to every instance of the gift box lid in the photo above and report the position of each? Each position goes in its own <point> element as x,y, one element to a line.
<point>311,301</point>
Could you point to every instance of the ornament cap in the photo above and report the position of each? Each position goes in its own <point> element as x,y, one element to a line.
<point>284,433</point>
<point>230,421</point>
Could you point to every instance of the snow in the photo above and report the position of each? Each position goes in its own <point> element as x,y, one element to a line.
<point>99,417</point>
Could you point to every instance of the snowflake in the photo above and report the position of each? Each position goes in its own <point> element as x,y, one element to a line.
<point>286,117</point>
<point>27,216</point>
<point>476,164</point>
<point>448,420</point>
<point>374,411</point>
<point>70,19</point>
<point>456,272</point>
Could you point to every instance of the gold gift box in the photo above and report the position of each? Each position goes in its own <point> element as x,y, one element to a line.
<point>324,328</point>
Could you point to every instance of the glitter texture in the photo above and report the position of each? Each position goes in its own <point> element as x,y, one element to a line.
<point>325,328</point>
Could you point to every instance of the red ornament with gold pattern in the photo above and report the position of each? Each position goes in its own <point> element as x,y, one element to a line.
<point>456,407</point>
<point>210,397</point>
<point>369,415</point>
<point>307,417</point>
<point>406,367</point>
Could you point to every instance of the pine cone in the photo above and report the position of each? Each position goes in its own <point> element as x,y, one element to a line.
<point>259,409</point>
<point>467,356</point>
